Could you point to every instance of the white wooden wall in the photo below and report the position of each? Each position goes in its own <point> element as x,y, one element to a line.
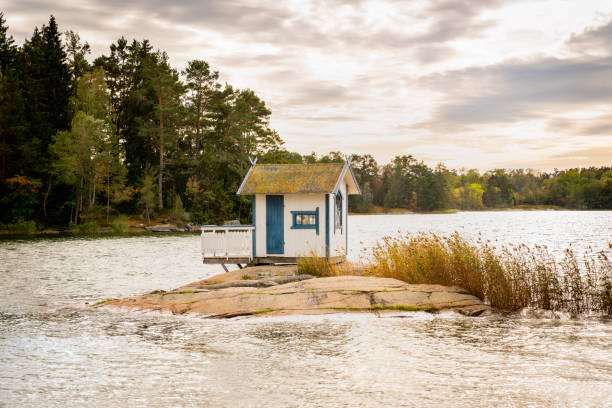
<point>260,225</point>
<point>300,242</point>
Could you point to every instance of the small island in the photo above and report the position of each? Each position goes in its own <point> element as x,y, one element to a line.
<point>280,290</point>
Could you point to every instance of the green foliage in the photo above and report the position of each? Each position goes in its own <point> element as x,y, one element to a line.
<point>147,194</point>
<point>162,90</point>
<point>92,95</point>
<point>405,183</point>
<point>20,195</point>
<point>120,225</point>
<point>90,227</point>
<point>46,89</point>
<point>366,171</point>
<point>280,156</point>
<point>179,214</point>
<point>246,276</point>
<point>76,53</point>
<point>469,197</point>
<point>499,190</point>
<point>20,227</point>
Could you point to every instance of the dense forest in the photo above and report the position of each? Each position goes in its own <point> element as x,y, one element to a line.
<point>408,183</point>
<point>127,133</point>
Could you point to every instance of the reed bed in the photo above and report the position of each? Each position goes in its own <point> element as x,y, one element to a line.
<point>314,265</point>
<point>508,277</point>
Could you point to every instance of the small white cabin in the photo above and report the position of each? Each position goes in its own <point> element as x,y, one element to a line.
<point>298,210</point>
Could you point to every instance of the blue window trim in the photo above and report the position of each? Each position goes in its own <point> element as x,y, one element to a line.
<point>294,215</point>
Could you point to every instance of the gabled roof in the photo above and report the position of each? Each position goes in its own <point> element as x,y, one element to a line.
<point>320,178</point>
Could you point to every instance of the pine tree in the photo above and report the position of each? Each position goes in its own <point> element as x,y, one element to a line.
<point>46,93</point>
<point>76,53</point>
<point>56,75</point>
<point>131,102</point>
<point>12,123</point>
<point>8,50</point>
<point>201,85</point>
<point>165,90</point>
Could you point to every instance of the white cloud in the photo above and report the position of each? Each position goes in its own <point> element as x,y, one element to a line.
<point>474,83</point>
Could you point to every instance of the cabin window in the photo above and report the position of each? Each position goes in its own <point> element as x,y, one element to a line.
<point>338,212</point>
<point>305,220</point>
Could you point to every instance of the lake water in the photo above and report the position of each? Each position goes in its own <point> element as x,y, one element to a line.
<point>57,352</point>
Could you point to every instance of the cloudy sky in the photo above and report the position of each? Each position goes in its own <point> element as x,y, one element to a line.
<point>471,83</point>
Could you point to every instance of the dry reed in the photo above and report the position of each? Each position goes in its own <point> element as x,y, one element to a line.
<point>314,265</point>
<point>507,277</point>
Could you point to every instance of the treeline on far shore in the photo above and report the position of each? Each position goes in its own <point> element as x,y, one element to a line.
<point>87,143</point>
<point>408,183</point>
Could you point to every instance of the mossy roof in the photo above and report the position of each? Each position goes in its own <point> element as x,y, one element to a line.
<point>292,178</point>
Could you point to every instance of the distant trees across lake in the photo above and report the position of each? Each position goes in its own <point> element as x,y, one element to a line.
<point>130,134</point>
<point>408,183</point>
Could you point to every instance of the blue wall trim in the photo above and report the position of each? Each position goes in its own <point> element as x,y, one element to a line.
<point>346,226</point>
<point>254,235</point>
<point>327,225</point>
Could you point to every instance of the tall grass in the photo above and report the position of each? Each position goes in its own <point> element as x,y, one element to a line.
<point>314,265</point>
<point>507,277</point>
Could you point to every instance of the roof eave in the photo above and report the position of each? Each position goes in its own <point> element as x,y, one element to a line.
<point>339,181</point>
<point>246,177</point>
<point>347,167</point>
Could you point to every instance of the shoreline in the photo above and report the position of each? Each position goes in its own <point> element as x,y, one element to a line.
<point>399,211</point>
<point>134,230</point>
<point>279,291</point>
<point>103,232</point>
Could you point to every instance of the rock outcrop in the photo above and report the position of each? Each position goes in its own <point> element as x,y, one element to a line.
<point>282,293</point>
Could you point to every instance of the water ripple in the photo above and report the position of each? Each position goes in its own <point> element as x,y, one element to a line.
<point>58,352</point>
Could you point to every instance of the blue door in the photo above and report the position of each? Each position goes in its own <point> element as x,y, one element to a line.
<point>275,233</point>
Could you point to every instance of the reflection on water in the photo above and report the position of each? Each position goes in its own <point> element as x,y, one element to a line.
<point>72,358</point>
<point>58,352</point>
<point>555,229</point>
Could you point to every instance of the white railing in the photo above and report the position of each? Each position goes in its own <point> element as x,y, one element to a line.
<point>227,241</point>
